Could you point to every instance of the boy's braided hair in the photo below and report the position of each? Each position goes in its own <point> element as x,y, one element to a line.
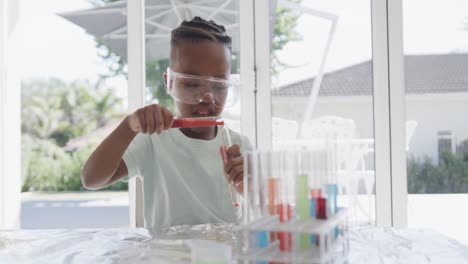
<point>197,30</point>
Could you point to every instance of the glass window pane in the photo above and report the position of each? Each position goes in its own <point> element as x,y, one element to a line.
<point>73,94</point>
<point>436,88</point>
<point>341,115</point>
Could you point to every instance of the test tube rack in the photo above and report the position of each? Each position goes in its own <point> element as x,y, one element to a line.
<point>293,211</point>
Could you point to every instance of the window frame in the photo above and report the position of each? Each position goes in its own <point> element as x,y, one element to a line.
<point>388,100</point>
<point>388,104</point>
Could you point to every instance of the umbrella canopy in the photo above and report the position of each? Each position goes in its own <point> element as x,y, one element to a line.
<point>109,23</point>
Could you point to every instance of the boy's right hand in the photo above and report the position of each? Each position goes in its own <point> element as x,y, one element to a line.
<point>150,119</point>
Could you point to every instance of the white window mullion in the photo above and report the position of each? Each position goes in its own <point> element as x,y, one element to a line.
<point>3,87</point>
<point>10,121</point>
<point>397,114</point>
<point>389,113</point>
<point>136,88</point>
<point>383,182</point>
<point>247,70</point>
<point>263,75</point>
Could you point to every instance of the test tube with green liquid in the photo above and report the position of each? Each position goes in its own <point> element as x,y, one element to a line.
<point>303,207</point>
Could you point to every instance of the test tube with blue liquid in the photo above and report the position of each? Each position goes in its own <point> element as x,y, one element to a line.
<point>331,187</point>
<point>262,170</point>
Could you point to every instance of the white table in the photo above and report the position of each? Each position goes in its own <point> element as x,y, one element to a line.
<point>367,245</point>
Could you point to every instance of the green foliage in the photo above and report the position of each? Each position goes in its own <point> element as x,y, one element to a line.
<point>39,117</point>
<point>449,176</point>
<point>55,110</point>
<point>53,113</point>
<point>284,32</point>
<point>47,166</point>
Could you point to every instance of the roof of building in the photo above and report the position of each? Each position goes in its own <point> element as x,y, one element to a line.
<point>447,73</point>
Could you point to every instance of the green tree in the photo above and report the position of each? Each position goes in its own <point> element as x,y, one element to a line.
<point>39,117</point>
<point>54,112</point>
<point>53,109</point>
<point>48,167</point>
<point>106,107</point>
<point>450,175</point>
<point>284,32</point>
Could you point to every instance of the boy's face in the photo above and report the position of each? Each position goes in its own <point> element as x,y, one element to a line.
<point>206,58</point>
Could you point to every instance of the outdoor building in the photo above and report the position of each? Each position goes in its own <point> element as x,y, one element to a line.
<point>436,88</point>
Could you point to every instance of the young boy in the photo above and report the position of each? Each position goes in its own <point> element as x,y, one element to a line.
<point>182,169</point>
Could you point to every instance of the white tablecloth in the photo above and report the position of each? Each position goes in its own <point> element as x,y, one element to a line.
<point>367,245</point>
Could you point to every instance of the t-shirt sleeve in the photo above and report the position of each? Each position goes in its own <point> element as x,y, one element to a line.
<point>137,154</point>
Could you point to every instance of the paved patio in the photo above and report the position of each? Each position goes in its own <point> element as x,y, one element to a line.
<point>74,210</point>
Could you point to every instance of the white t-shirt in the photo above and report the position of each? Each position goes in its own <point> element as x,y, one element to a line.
<point>183,179</point>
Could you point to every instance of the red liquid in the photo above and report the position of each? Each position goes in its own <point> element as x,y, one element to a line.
<point>284,212</point>
<point>321,212</point>
<point>285,238</point>
<point>187,122</point>
<point>273,186</point>
<point>316,193</point>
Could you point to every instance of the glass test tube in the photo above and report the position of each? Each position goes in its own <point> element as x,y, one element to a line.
<point>302,194</point>
<point>284,206</point>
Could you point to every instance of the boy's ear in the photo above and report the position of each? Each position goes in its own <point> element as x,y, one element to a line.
<point>165,78</point>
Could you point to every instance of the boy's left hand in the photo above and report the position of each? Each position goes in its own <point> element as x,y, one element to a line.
<point>233,166</point>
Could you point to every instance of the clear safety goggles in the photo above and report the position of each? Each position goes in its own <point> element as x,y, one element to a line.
<point>194,89</point>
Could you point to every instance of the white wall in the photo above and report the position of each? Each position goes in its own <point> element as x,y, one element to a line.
<point>433,112</point>
<point>10,129</point>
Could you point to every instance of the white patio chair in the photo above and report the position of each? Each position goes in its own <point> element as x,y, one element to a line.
<point>336,132</point>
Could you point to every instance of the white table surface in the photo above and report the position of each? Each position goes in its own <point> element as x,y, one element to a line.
<point>367,245</point>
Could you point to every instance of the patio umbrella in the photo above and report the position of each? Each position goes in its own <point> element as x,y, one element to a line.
<point>109,22</point>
